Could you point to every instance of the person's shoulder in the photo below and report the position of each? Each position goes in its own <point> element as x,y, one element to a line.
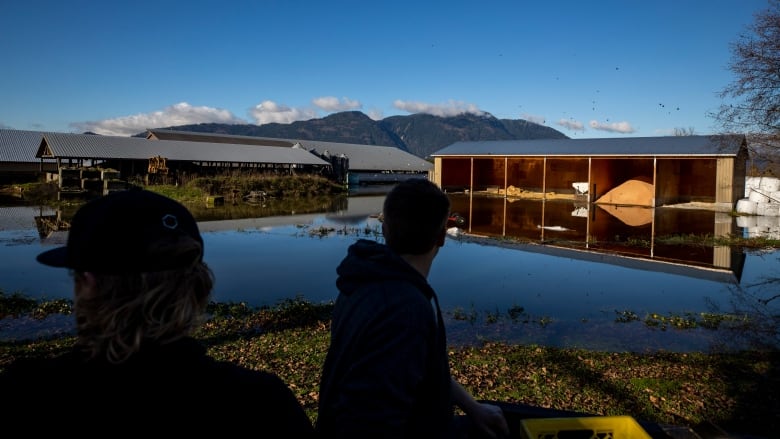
<point>263,395</point>
<point>230,373</point>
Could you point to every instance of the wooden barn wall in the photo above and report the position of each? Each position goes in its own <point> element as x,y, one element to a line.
<point>634,169</point>
<point>435,175</point>
<point>698,182</point>
<point>601,179</point>
<point>725,181</point>
<point>682,180</point>
<point>562,172</point>
<point>488,172</point>
<point>667,181</point>
<point>740,173</point>
<point>455,174</point>
<point>526,173</point>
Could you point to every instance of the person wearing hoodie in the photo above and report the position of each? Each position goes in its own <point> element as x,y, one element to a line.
<point>387,372</point>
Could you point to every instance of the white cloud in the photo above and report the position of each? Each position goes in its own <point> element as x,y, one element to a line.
<point>375,114</point>
<point>573,125</point>
<point>174,115</point>
<point>330,103</point>
<point>663,132</point>
<point>270,112</point>
<point>450,108</point>
<point>533,118</point>
<point>616,127</point>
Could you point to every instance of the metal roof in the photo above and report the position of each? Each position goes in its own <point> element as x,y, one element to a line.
<point>370,157</point>
<point>19,146</point>
<point>375,158</point>
<point>677,146</point>
<point>196,136</point>
<point>63,145</point>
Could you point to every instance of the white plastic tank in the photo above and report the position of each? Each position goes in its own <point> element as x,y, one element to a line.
<point>747,221</point>
<point>769,184</point>
<point>768,209</point>
<point>758,197</point>
<point>747,206</point>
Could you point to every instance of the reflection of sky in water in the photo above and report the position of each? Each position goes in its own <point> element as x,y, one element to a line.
<point>268,261</point>
<point>265,267</point>
<point>495,277</point>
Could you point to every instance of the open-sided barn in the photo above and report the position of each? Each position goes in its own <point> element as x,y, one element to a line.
<point>641,171</point>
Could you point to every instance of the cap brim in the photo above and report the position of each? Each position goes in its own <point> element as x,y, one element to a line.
<point>57,257</point>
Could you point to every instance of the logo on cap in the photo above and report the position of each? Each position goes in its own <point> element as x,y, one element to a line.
<point>170,221</point>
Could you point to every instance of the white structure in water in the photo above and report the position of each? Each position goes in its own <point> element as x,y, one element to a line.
<point>760,207</point>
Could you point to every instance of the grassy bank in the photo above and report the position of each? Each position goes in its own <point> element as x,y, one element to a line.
<point>737,391</point>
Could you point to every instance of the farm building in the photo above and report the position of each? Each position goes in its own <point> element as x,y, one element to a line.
<point>638,171</point>
<point>355,164</point>
<point>84,162</point>
<point>138,156</point>
<point>41,152</point>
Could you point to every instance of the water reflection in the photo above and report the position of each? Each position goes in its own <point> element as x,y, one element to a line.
<point>630,231</point>
<point>553,273</point>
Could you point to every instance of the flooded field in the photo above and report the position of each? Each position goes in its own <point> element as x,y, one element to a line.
<point>547,273</point>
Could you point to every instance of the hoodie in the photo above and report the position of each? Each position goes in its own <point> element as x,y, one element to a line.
<point>386,373</point>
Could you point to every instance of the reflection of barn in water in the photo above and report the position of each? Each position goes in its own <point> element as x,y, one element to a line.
<point>49,224</point>
<point>566,228</point>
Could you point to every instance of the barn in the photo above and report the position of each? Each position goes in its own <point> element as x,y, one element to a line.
<point>635,171</point>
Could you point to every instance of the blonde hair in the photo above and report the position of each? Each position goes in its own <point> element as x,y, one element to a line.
<point>129,310</point>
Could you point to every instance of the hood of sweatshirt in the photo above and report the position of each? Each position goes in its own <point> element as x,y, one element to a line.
<point>370,261</point>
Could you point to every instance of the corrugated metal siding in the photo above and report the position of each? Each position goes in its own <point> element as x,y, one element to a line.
<point>726,145</point>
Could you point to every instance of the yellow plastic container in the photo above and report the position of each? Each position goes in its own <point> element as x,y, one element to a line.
<point>591,427</point>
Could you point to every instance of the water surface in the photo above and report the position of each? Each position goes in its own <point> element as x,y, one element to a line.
<point>592,292</point>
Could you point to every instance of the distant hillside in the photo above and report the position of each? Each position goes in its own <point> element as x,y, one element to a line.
<point>419,134</point>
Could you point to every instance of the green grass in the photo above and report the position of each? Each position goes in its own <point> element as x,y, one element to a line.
<point>736,391</point>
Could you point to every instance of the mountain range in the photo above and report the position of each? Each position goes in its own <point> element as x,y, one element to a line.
<point>418,134</point>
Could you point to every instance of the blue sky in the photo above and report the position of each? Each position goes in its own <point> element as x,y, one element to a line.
<point>588,69</point>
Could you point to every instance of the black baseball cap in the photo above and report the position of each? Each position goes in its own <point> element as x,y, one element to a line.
<point>121,233</point>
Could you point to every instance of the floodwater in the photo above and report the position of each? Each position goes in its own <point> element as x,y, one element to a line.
<point>557,273</point>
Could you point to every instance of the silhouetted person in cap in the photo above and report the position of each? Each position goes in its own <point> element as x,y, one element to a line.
<point>387,371</point>
<point>140,288</point>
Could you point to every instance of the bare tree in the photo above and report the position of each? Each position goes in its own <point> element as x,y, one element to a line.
<point>684,131</point>
<point>756,89</point>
